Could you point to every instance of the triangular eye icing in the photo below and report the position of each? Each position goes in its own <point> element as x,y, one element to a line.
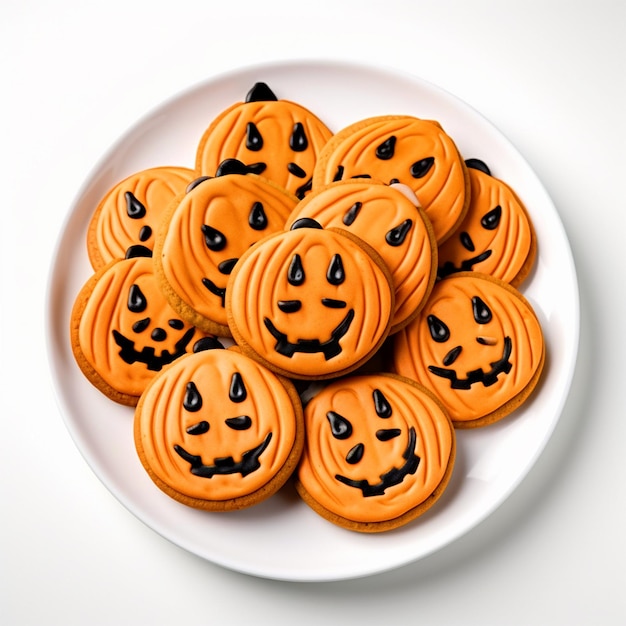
<point>137,301</point>
<point>385,150</point>
<point>254,140</point>
<point>340,427</point>
<point>192,401</point>
<point>419,169</point>
<point>237,391</point>
<point>396,236</point>
<point>298,141</point>
<point>295,273</point>
<point>482,313</point>
<point>257,217</point>
<point>213,238</point>
<point>351,213</point>
<point>336,274</point>
<point>438,330</point>
<point>134,209</point>
<point>381,404</point>
<point>491,220</point>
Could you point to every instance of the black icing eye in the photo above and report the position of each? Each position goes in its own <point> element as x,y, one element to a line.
<point>351,213</point>
<point>386,434</point>
<point>237,391</point>
<point>382,406</point>
<point>199,429</point>
<point>192,401</point>
<point>289,306</point>
<point>254,141</point>
<point>241,422</point>
<point>491,219</point>
<point>137,302</point>
<point>298,141</point>
<point>419,169</point>
<point>213,238</point>
<point>295,273</point>
<point>340,427</point>
<point>386,149</point>
<point>134,209</point>
<point>176,324</point>
<point>335,274</point>
<point>396,236</point>
<point>482,313</point>
<point>257,218</point>
<point>438,330</point>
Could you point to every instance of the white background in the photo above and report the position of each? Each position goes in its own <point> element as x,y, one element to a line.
<point>549,74</point>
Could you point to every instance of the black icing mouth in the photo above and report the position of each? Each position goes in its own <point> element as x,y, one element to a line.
<point>501,366</point>
<point>220,292</point>
<point>466,266</point>
<point>148,355</point>
<point>329,349</point>
<point>227,465</point>
<point>390,478</point>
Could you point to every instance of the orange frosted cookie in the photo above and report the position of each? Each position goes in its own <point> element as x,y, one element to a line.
<point>218,431</point>
<point>123,331</point>
<point>496,237</point>
<point>206,231</point>
<point>380,450</point>
<point>127,218</point>
<point>310,302</point>
<point>389,218</point>
<point>405,149</point>
<point>278,139</point>
<point>477,344</point>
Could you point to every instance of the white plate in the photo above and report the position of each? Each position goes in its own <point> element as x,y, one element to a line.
<point>282,538</point>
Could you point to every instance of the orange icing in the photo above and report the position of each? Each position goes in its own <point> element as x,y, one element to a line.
<point>377,209</point>
<point>274,120</point>
<point>112,232</point>
<point>162,422</point>
<point>260,282</point>
<point>325,457</point>
<point>182,258</point>
<point>102,310</point>
<point>442,190</point>
<point>496,226</point>
<point>481,345</point>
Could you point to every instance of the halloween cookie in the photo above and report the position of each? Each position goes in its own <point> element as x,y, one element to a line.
<point>204,233</point>
<point>496,237</point>
<point>380,451</point>
<point>405,149</point>
<point>477,344</point>
<point>310,302</point>
<point>277,138</point>
<point>125,222</point>
<point>218,431</point>
<point>123,331</point>
<point>389,218</point>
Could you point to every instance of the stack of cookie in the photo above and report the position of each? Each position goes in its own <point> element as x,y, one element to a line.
<point>325,306</point>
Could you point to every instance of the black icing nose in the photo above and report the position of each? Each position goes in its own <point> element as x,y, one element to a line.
<point>158,334</point>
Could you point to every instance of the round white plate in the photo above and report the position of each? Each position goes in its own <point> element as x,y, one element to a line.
<point>282,538</point>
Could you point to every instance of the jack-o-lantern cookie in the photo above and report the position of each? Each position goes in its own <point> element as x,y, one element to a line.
<point>310,302</point>
<point>123,331</point>
<point>278,139</point>
<point>380,450</point>
<point>497,235</point>
<point>389,218</point>
<point>405,149</point>
<point>477,344</point>
<point>126,221</point>
<point>218,431</point>
<point>205,232</point>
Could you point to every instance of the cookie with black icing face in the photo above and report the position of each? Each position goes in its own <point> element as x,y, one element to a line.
<point>402,148</point>
<point>127,218</point>
<point>275,138</point>
<point>205,232</point>
<point>496,237</point>
<point>124,332</point>
<point>310,302</point>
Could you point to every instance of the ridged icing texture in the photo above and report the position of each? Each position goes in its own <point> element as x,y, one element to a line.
<point>392,223</point>
<point>384,442</point>
<point>496,236</point>
<point>501,352</point>
<point>349,319</point>
<point>163,424</point>
<point>121,221</point>
<point>419,154</point>
<point>228,205</point>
